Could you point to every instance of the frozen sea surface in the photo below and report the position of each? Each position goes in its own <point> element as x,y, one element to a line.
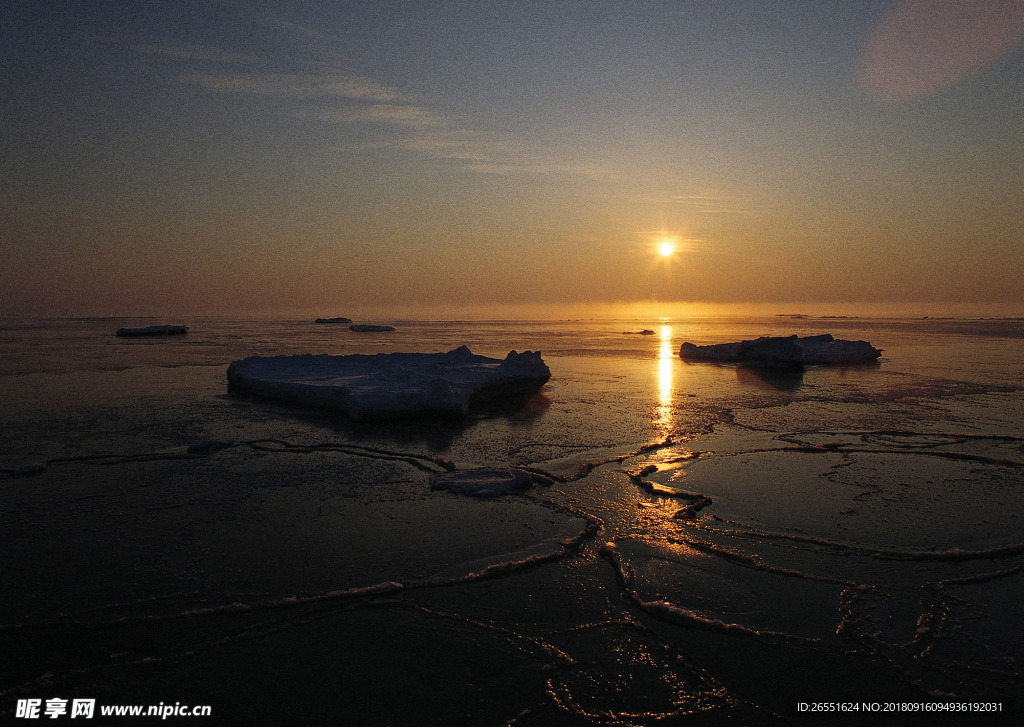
<point>643,541</point>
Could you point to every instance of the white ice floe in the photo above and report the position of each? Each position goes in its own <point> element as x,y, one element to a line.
<point>389,385</point>
<point>785,351</point>
<point>152,331</point>
<point>488,482</point>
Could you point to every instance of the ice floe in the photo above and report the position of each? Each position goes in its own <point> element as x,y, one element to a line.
<point>339,319</point>
<point>388,385</point>
<point>488,482</point>
<point>784,351</point>
<point>152,331</point>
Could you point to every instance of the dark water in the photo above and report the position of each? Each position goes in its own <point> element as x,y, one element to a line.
<point>718,544</point>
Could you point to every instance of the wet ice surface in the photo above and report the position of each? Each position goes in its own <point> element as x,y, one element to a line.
<point>689,544</point>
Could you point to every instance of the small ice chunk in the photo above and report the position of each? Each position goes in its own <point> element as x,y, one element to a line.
<point>488,482</point>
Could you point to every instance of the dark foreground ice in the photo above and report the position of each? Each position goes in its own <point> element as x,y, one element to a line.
<point>642,542</point>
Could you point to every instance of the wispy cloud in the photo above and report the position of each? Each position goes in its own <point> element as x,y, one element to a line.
<point>537,167</point>
<point>433,135</point>
<point>195,52</point>
<point>332,95</point>
<point>446,144</point>
<point>293,28</point>
<point>336,84</point>
<point>402,115</point>
<point>711,204</point>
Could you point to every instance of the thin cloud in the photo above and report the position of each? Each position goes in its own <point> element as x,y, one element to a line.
<point>447,145</point>
<point>346,98</point>
<point>195,52</point>
<point>485,155</point>
<point>294,28</point>
<point>542,167</point>
<point>710,204</point>
<point>331,85</point>
<point>473,152</point>
<point>414,116</point>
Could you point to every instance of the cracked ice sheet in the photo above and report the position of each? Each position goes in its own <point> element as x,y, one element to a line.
<point>892,500</point>
<point>719,590</point>
<point>980,613</point>
<point>251,527</point>
<point>878,489</point>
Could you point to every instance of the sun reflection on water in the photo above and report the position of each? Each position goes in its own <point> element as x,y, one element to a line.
<point>665,421</point>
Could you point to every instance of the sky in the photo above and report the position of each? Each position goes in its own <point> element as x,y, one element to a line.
<point>335,158</point>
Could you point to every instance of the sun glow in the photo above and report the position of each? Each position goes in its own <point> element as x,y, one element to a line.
<point>666,248</point>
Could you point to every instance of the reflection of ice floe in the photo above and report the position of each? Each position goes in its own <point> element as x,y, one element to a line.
<point>392,384</point>
<point>784,351</point>
<point>488,482</point>
<point>151,331</point>
<point>780,378</point>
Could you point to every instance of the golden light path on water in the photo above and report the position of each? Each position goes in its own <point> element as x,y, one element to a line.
<point>666,361</point>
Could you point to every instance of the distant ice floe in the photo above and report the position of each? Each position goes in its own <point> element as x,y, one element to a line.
<point>784,351</point>
<point>367,328</point>
<point>390,385</point>
<point>152,331</point>
<point>339,319</point>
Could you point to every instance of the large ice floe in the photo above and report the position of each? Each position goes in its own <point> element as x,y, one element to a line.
<point>785,351</point>
<point>389,385</point>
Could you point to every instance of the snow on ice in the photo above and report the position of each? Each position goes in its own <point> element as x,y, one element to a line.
<point>389,385</point>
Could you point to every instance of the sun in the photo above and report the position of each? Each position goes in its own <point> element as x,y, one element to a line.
<point>666,248</point>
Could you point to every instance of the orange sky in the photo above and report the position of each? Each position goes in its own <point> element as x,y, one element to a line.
<point>445,157</point>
